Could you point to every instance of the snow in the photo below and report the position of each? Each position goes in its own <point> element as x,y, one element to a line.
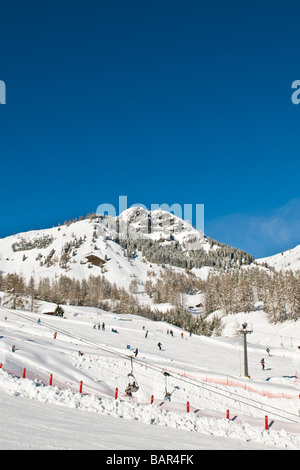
<point>287,260</point>
<point>31,425</point>
<point>207,372</point>
<point>118,268</point>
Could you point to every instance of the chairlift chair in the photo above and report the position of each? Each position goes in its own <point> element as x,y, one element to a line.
<point>167,394</point>
<point>132,386</point>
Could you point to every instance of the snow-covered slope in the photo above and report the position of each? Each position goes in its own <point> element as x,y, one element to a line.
<point>207,372</point>
<point>39,253</point>
<point>287,260</point>
<point>120,248</point>
<point>44,258</point>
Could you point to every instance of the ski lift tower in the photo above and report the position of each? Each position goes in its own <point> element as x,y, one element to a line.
<point>245,330</point>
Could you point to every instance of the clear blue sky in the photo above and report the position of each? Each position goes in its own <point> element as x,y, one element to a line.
<point>164,101</point>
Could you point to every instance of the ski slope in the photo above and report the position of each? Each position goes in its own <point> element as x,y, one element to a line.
<point>206,372</point>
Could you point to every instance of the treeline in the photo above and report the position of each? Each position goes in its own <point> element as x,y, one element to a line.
<point>95,292</point>
<point>238,291</point>
<point>92,292</point>
<point>230,292</point>
<point>171,286</point>
<point>223,257</point>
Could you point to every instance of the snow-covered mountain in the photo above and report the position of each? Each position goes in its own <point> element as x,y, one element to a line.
<point>120,248</point>
<point>205,371</point>
<point>286,260</point>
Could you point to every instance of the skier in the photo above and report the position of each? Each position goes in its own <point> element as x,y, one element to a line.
<point>103,326</point>
<point>136,352</point>
<point>146,334</point>
<point>13,348</point>
<point>159,345</point>
<point>262,364</point>
<point>54,336</point>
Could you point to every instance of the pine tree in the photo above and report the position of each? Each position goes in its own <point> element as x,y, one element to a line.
<point>31,292</point>
<point>244,296</point>
<point>15,286</point>
<point>227,294</point>
<point>293,295</point>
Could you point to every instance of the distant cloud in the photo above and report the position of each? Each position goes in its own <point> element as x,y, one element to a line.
<point>260,236</point>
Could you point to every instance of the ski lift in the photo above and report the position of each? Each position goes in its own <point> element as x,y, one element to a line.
<point>132,386</point>
<point>167,394</point>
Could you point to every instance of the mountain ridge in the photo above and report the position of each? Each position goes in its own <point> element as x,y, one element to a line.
<point>286,260</point>
<point>108,245</point>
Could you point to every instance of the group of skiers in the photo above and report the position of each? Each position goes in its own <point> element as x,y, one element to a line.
<point>98,326</point>
<point>136,351</point>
